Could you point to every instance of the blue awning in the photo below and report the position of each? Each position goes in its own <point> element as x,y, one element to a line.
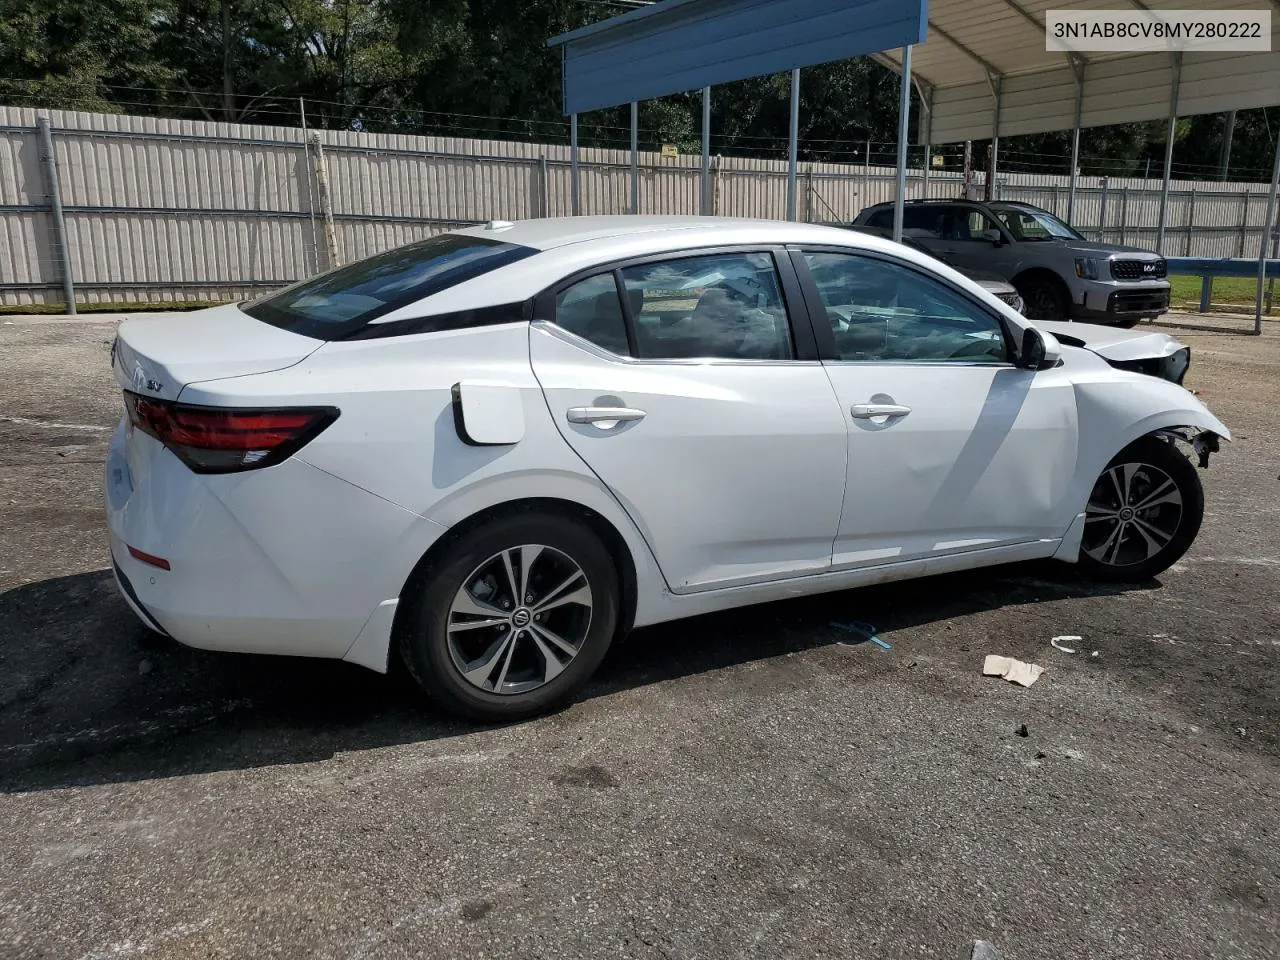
<point>681,45</point>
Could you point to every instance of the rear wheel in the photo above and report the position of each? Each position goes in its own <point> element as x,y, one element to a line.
<point>513,618</point>
<point>1143,514</point>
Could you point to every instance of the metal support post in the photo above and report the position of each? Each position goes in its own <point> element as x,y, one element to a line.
<point>1268,224</point>
<point>1168,151</point>
<point>904,117</point>
<point>1075,141</point>
<point>706,151</point>
<point>792,141</point>
<point>993,156</point>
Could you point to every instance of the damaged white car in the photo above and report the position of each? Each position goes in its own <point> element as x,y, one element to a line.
<point>491,452</point>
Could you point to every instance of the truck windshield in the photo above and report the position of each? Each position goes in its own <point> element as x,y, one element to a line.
<point>1026,224</point>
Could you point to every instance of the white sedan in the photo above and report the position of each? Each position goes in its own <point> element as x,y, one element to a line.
<point>492,452</point>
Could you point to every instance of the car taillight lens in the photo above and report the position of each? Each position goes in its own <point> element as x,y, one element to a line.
<point>226,439</point>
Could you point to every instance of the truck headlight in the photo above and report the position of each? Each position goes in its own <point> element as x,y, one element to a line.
<point>1087,268</point>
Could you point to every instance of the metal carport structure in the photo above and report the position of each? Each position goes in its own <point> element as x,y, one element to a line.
<point>980,67</point>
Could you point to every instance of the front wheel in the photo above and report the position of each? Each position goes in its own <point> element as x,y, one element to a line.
<point>1043,299</point>
<point>1143,514</point>
<point>513,618</point>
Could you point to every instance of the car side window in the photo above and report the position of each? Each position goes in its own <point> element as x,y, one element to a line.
<point>722,306</point>
<point>923,222</point>
<point>591,309</point>
<point>881,219</point>
<point>882,311</point>
<point>982,226</point>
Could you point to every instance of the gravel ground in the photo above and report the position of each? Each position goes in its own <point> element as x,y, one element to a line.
<point>749,784</point>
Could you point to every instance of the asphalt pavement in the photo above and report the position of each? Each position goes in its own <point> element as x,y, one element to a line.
<point>750,784</point>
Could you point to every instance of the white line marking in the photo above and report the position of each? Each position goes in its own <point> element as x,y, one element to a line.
<point>53,424</point>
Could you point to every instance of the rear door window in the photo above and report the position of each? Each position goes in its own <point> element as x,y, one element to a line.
<point>344,301</point>
<point>591,309</point>
<point>722,306</point>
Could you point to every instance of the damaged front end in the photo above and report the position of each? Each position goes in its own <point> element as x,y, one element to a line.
<point>1138,351</point>
<point>1204,443</point>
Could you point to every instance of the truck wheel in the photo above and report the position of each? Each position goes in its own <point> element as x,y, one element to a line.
<point>1044,299</point>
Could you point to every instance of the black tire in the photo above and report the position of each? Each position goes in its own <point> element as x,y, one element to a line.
<point>1043,299</point>
<point>1120,550</point>
<point>424,640</point>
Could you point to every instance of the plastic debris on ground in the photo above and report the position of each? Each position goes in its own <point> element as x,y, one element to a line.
<point>1015,671</point>
<point>984,950</point>
<point>1060,643</point>
<point>867,630</point>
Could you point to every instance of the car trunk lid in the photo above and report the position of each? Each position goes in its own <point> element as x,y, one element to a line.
<point>158,356</point>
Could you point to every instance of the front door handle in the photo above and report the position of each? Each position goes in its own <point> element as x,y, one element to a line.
<point>869,411</point>
<point>605,418</point>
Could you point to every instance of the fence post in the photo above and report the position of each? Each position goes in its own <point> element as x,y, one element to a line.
<point>326,204</point>
<point>1244,222</point>
<point>61,254</point>
<point>1102,213</point>
<point>1271,282</point>
<point>546,186</point>
<point>808,194</point>
<point>1124,214</point>
<point>1191,220</point>
<point>715,181</point>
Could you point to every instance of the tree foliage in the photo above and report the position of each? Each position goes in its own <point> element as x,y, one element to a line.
<point>482,68</point>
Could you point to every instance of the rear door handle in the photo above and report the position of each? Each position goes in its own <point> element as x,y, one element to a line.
<point>869,411</point>
<point>605,418</point>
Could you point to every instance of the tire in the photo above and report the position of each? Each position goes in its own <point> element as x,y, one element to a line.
<point>450,632</point>
<point>1137,547</point>
<point>1043,299</point>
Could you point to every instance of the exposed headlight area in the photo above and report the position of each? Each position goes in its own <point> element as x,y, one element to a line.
<point>1172,368</point>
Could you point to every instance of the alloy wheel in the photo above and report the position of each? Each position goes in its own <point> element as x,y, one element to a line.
<point>519,619</point>
<point>1133,513</point>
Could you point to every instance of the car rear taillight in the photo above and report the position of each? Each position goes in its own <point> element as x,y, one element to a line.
<point>227,439</point>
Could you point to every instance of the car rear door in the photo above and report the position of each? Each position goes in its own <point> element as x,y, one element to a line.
<point>683,383</point>
<point>951,447</point>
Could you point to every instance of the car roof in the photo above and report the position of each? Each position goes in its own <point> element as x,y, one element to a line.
<point>553,232</point>
<point>573,245</point>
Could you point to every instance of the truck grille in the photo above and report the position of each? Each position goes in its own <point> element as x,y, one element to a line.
<point>1139,269</point>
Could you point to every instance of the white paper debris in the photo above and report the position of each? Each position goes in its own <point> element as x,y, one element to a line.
<point>1059,643</point>
<point>1015,671</point>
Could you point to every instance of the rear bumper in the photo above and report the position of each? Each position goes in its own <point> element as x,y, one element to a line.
<point>283,560</point>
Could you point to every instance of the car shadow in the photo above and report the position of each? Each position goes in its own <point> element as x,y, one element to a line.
<point>89,696</point>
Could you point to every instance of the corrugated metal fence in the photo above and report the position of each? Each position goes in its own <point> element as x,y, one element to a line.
<point>159,210</point>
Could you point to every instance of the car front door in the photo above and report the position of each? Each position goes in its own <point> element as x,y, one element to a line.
<point>682,384</point>
<point>971,240</point>
<point>951,447</point>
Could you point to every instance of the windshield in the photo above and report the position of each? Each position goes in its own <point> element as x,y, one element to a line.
<point>342,302</point>
<point>1028,224</point>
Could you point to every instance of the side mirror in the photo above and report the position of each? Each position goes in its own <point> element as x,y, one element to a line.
<point>1039,350</point>
<point>994,237</point>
